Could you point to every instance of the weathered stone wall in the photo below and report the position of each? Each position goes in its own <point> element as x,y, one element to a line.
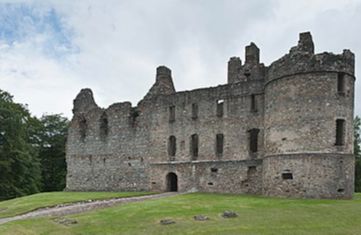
<point>293,105</point>
<point>301,109</point>
<point>210,176</point>
<point>313,175</point>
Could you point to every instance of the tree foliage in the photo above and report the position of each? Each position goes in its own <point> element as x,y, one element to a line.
<point>32,151</point>
<point>19,162</point>
<point>52,136</point>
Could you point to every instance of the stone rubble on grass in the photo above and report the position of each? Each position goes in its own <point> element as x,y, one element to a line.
<point>3,209</point>
<point>201,218</point>
<point>229,214</point>
<point>65,221</point>
<point>167,221</point>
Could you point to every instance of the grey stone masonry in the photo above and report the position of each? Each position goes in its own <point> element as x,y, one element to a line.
<point>278,130</point>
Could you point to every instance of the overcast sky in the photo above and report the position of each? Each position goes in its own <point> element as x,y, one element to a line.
<point>49,50</point>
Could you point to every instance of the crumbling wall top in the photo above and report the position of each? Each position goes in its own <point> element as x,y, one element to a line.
<point>84,101</point>
<point>301,59</point>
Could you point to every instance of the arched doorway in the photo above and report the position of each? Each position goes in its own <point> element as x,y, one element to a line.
<point>172,182</point>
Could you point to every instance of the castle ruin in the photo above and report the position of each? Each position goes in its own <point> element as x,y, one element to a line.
<point>279,130</point>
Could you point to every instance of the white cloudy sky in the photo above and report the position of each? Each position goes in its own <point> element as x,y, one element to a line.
<point>49,50</point>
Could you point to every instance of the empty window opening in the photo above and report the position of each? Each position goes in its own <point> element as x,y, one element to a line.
<point>83,126</point>
<point>172,182</point>
<point>154,183</point>
<point>253,103</point>
<point>253,140</point>
<point>171,113</point>
<point>172,145</point>
<point>341,83</point>
<point>340,132</point>
<point>104,126</point>
<point>219,144</point>
<point>287,176</point>
<point>340,190</point>
<point>214,170</point>
<point>220,104</point>
<point>247,73</point>
<point>134,114</point>
<point>194,146</point>
<point>251,170</point>
<point>210,183</point>
<point>194,111</point>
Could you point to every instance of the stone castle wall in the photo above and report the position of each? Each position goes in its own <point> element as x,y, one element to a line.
<point>276,126</point>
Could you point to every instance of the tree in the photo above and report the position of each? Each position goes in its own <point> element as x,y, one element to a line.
<point>51,134</point>
<point>19,165</point>
<point>357,152</point>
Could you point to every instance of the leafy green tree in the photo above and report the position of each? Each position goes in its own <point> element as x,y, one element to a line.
<point>52,137</point>
<point>19,164</point>
<point>357,152</point>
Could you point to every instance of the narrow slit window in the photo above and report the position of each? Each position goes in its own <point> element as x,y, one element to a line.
<point>104,129</point>
<point>220,106</point>
<point>171,113</point>
<point>219,144</point>
<point>253,140</point>
<point>340,132</point>
<point>194,111</point>
<point>194,146</point>
<point>341,83</point>
<point>253,103</point>
<point>83,126</point>
<point>134,117</point>
<point>172,146</point>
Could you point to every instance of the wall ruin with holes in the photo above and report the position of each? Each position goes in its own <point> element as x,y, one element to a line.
<point>276,128</point>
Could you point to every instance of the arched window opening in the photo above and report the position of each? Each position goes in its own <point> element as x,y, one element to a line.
<point>219,144</point>
<point>194,146</point>
<point>172,146</point>
<point>83,126</point>
<point>220,106</point>
<point>340,132</point>
<point>253,140</point>
<point>104,129</point>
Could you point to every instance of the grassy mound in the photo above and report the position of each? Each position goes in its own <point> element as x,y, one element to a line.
<point>256,215</point>
<point>29,203</point>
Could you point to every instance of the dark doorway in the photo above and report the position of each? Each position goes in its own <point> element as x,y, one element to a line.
<point>172,182</point>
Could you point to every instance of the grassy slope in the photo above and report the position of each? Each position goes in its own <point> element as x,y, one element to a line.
<point>257,215</point>
<point>24,204</point>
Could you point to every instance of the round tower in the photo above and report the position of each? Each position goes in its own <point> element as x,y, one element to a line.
<point>308,123</point>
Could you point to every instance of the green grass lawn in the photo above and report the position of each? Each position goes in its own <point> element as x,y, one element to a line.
<point>257,215</point>
<point>24,204</point>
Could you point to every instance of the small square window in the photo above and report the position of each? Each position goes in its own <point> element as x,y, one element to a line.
<point>287,176</point>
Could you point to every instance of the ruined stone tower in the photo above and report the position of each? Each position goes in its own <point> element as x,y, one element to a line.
<point>279,130</point>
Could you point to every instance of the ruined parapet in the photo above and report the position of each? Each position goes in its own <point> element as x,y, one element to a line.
<point>301,59</point>
<point>163,84</point>
<point>84,101</point>
<point>252,69</point>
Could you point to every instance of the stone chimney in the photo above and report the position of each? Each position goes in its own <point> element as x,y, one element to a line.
<point>252,54</point>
